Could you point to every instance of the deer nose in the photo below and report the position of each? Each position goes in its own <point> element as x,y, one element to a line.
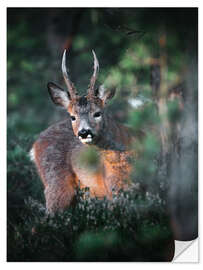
<point>84,133</point>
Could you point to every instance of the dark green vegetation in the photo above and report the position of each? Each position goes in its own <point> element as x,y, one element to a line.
<point>129,43</point>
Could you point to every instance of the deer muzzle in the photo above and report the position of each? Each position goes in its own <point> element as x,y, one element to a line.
<point>85,135</point>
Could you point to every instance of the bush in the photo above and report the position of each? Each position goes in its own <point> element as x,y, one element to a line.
<point>131,227</point>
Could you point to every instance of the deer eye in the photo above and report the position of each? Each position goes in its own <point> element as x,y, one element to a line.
<point>97,114</point>
<point>72,117</point>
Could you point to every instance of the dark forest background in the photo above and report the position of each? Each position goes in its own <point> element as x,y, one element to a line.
<point>150,56</point>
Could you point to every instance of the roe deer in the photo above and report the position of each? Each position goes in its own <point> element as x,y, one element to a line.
<point>56,150</point>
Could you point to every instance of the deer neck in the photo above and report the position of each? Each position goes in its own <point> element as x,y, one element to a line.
<point>114,136</point>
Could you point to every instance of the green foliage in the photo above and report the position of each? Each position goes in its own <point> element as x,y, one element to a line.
<point>151,146</point>
<point>92,230</point>
<point>89,158</point>
<point>145,117</point>
<point>100,244</point>
<point>23,180</point>
<point>174,112</point>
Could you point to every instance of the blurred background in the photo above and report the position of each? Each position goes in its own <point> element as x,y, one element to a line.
<point>150,55</point>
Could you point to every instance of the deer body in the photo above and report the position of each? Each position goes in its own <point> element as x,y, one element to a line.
<point>56,151</point>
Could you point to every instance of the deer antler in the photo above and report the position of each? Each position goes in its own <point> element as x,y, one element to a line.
<point>94,75</point>
<point>70,85</point>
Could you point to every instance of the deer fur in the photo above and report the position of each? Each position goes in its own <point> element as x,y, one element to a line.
<point>56,150</point>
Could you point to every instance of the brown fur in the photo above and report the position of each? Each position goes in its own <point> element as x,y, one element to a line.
<point>55,152</point>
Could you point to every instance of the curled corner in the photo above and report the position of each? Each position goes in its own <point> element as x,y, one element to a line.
<point>187,251</point>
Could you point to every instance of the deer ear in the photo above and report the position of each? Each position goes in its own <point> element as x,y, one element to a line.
<point>105,94</point>
<point>58,95</point>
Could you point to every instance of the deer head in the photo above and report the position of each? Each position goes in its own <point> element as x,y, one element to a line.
<point>87,112</point>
